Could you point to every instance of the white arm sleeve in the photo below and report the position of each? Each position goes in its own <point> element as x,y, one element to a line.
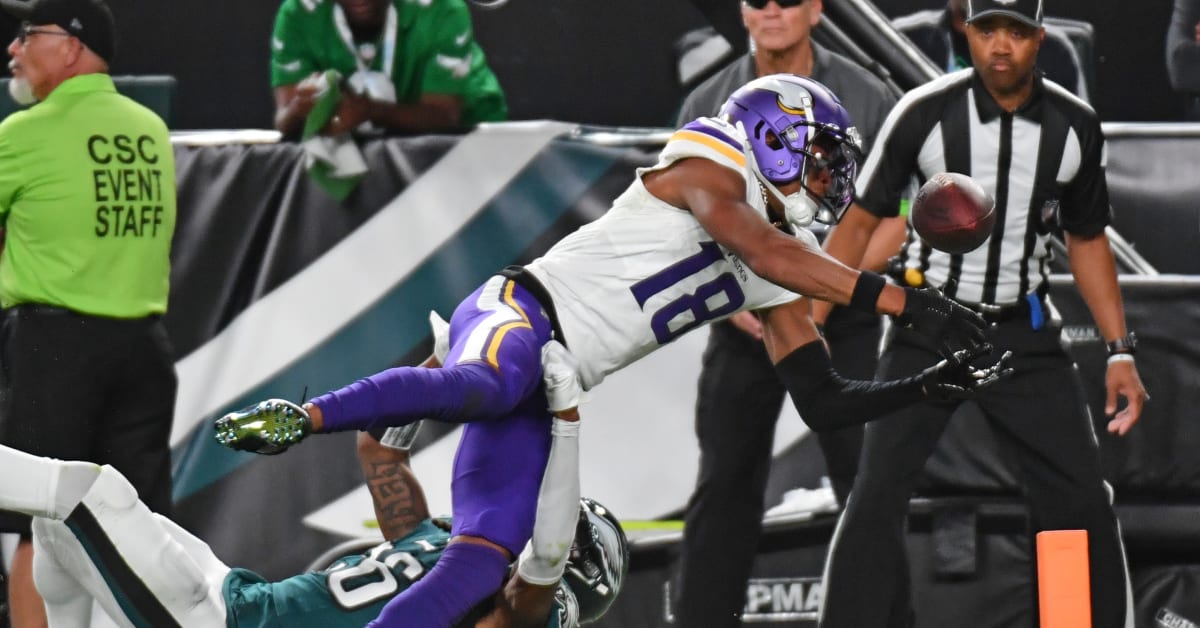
<point>545,556</point>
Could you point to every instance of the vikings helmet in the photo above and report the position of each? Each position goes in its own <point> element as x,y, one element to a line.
<point>598,561</point>
<point>794,123</point>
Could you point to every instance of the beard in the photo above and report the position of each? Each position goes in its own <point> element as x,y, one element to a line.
<point>21,91</point>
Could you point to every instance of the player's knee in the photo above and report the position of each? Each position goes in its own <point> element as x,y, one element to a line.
<point>180,568</point>
<point>56,584</point>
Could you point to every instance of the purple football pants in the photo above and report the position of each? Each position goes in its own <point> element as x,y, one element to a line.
<point>492,381</point>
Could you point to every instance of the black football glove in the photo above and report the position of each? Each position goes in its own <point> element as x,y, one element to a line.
<point>950,326</point>
<point>956,379</point>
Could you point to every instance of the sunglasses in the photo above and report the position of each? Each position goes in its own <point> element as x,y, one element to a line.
<point>28,29</point>
<point>762,4</point>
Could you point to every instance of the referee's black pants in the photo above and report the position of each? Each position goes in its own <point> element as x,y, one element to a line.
<point>739,401</point>
<point>77,387</point>
<point>1041,420</point>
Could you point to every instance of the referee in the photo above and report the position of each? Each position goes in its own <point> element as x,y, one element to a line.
<point>1040,152</point>
<point>87,208</point>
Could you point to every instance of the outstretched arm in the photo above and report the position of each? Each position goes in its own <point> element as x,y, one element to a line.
<point>850,241</point>
<point>395,492</point>
<point>714,194</point>
<point>770,253</point>
<point>826,400</point>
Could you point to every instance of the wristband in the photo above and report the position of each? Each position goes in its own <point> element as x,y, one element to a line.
<point>1120,357</point>
<point>866,292</point>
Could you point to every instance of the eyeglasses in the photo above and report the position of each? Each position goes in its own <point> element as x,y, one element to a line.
<point>783,4</point>
<point>27,29</point>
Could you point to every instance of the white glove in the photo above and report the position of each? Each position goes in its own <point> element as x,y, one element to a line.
<point>560,371</point>
<point>441,337</point>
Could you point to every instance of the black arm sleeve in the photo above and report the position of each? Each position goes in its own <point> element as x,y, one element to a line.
<point>828,401</point>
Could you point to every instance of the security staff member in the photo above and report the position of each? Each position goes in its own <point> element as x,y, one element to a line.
<point>87,203</point>
<point>1040,152</point>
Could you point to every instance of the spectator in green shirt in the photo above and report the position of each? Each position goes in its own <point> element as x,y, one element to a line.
<point>408,66</point>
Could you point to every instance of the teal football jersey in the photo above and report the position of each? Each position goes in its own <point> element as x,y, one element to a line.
<point>350,593</point>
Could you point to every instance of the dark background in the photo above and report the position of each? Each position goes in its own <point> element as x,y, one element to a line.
<point>609,62</point>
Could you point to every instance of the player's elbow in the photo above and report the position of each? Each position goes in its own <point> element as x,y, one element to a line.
<point>819,413</point>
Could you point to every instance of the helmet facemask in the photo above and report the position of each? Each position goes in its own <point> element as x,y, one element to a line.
<point>822,149</point>
<point>830,153</point>
<point>794,127</point>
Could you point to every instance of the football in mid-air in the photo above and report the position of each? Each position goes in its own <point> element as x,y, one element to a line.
<point>953,213</point>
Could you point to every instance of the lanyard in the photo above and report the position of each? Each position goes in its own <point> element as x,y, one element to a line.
<point>390,29</point>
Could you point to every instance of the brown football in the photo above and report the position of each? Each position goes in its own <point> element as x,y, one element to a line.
<point>953,213</point>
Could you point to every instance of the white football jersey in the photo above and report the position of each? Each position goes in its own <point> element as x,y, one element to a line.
<point>646,272</point>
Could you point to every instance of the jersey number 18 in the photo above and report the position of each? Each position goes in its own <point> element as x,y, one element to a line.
<point>696,302</point>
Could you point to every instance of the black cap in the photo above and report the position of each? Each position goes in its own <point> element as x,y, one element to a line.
<point>89,20</point>
<point>1025,11</point>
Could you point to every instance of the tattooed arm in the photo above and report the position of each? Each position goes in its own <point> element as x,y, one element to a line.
<point>399,501</point>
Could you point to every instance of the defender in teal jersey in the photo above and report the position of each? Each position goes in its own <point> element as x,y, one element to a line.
<point>87,212</point>
<point>146,571</point>
<point>353,590</point>
<point>411,65</point>
<point>96,540</point>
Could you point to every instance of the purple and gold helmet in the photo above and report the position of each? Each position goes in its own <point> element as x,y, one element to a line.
<point>794,123</point>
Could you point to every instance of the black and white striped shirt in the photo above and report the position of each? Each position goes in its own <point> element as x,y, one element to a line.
<point>1044,165</point>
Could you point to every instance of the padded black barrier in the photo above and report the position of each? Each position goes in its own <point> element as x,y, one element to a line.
<point>1152,187</point>
<point>785,588</point>
<point>1167,596</point>
<point>1083,39</point>
<point>971,564</point>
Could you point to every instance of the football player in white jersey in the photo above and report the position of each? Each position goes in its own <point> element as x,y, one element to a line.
<point>717,226</point>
